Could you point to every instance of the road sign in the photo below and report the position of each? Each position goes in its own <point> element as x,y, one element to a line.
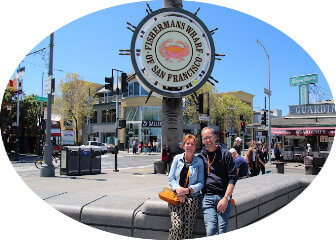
<point>304,79</point>
<point>204,117</point>
<point>269,93</point>
<point>41,99</point>
<point>47,85</point>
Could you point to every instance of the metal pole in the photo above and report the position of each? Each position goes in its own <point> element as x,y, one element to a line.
<point>18,76</point>
<point>89,130</point>
<point>47,169</point>
<point>17,126</point>
<point>269,105</point>
<point>40,143</point>
<point>172,108</point>
<point>116,126</point>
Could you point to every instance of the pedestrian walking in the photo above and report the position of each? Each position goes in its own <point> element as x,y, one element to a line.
<point>237,145</point>
<point>149,147</point>
<point>241,164</point>
<point>251,158</point>
<point>277,153</point>
<point>260,159</point>
<point>134,147</point>
<point>186,178</point>
<point>140,147</point>
<point>309,150</point>
<point>265,152</point>
<point>166,155</point>
<point>220,178</point>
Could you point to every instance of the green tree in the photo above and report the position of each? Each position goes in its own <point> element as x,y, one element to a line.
<point>191,105</point>
<point>229,109</point>
<point>72,100</point>
<point>224,110</point>
<point>29,115</point>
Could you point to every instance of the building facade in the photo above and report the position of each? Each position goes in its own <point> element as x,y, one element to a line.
<point>312,123</point>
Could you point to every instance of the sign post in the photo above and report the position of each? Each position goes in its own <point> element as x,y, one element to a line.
<point>303,82</point>
<point>172,54</point>
<point>41,99</point>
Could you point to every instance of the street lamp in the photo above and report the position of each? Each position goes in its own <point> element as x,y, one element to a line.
<point>268,93</point>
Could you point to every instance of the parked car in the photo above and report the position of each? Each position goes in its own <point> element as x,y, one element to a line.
<point>103,148</point>
<point>110,147</point>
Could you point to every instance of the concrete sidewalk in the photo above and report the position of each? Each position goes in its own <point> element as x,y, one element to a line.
<point>133,182</point>
<point>141,183</point>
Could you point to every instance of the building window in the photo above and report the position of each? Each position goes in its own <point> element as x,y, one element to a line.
<point>132,114</point>
<point>135,89</point>
<point>151,113</point>
<point>93,118</point>
<point>143,92</point>
<point>108,115</point>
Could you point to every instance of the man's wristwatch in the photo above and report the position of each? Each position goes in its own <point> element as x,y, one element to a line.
<point>228,198</point>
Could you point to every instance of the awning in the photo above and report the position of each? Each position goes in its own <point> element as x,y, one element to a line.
<point>305,131</point>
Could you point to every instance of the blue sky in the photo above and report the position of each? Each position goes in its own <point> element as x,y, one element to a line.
<point>90,46</point>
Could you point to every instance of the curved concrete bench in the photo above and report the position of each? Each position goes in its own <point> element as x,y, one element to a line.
<point>255,199</point>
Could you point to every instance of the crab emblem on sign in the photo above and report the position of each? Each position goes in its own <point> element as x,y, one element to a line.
<point>172,53</point>
<point>177,51</point>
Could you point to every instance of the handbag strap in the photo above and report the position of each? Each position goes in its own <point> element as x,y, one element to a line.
<point>186,181</point>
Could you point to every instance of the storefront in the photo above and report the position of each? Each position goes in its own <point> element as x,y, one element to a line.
<point>143,125</point>
<point>143,118</point>
<point>314,124</point>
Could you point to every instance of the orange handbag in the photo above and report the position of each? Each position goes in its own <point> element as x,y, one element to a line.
<point>170,196</point>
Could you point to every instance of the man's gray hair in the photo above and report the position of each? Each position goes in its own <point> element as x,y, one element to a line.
<point>208,128</point>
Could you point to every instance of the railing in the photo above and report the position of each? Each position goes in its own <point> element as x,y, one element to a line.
<point>107,99</point>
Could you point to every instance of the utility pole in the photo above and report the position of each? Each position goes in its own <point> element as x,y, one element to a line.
<point>47,169</point>
<point>116,127</point>
<point>172,108</point>
<point>89,108</point>
<point>268,92</point>
<point>18,76</point>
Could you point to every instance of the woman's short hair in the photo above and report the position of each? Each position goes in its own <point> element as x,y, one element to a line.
<point>189,136</point>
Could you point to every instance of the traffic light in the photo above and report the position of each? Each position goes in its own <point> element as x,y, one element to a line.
<point>242,126</point>
<point>124,84</point>
<point>122,123</point>
<point>109,83</point>
<point>200,103</point>
<point>131,127</point>
<point>263,119</point>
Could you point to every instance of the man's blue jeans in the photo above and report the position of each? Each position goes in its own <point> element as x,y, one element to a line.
<point>215,223</point>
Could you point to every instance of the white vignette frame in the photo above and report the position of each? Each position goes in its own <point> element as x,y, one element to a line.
<point>22,212</point>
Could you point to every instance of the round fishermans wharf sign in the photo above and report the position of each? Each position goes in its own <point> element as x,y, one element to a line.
<point>172,53</point>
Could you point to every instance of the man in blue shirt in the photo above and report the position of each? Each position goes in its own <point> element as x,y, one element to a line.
<point>220,178</point>
<point>241,164</point>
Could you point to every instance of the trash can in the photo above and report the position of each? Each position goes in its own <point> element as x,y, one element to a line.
<point>95,161</point>
<point>280,166</point>
<point>84,160</point>
<point>160,167</point>
<point>69,161</point>
<point>308,162</point>
<point>318,163</point>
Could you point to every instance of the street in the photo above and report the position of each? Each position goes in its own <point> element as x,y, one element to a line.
<point>25,167</point>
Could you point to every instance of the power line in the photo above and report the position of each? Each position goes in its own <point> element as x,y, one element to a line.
<point>60,70</point>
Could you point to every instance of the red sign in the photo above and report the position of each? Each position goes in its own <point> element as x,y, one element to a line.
<point>307,131</point>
